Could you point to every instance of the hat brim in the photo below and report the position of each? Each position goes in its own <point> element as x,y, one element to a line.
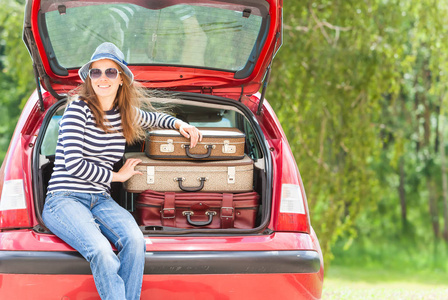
<point>83,72</point>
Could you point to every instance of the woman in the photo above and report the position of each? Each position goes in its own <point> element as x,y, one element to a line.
<point>93,132</point>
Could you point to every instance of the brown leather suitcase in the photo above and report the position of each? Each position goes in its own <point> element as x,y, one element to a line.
<point>197,210</point>
<point>216,144</point>
<point>231,176</point>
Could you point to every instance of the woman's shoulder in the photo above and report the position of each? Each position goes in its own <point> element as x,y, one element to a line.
<point>78,104</point>
<point>78,101</point>
<point>77,108</point>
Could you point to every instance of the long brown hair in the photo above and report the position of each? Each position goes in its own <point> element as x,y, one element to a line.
<point>129,97</point>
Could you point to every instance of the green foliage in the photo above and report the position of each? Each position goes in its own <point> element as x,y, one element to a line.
<point>358,87</point>
<point>16,74</point>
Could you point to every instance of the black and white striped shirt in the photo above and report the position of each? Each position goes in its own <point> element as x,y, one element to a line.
<point>85,154</point>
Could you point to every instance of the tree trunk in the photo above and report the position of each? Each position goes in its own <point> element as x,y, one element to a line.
<point>428,160</point>
<point>402,194</point>
<point>433,208</point>
<point>444,180</point>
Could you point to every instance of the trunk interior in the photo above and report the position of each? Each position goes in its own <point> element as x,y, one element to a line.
<point>198,110</point>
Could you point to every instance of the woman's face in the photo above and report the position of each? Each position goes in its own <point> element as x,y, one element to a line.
<point>104,87</point>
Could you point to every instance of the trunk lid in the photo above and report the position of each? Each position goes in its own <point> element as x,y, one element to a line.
<point>220,47</point>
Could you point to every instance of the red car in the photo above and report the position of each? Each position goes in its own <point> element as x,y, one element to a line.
<point>210,58</point>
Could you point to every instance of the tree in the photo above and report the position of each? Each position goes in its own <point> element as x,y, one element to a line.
<point>356,90</point>
<point>16,74</point>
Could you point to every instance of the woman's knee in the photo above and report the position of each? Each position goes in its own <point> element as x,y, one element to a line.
<point>134,241</point>
<point>101,253</point>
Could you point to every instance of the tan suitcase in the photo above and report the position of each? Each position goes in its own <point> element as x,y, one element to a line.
<point>230,176</point>
<point>216,144</point>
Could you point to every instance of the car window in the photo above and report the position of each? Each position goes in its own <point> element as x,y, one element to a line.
<point>214,37</point>
<point>50,140</point>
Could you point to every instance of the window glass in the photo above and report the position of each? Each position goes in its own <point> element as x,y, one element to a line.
<point>189,35</point>
<point>50,141</point>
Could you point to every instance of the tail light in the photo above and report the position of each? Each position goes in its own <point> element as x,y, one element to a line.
<point>291,213</point>
<point>13,207</point>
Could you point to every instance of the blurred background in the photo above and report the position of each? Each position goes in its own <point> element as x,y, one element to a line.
<point>360,88</point>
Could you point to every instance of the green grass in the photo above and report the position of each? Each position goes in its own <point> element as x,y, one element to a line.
<point>378,275</point>
<point>401,256</point>
<point>376,283</point>
<point>393,270</point>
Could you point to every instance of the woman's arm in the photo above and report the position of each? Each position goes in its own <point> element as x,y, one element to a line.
<point>149,119</point>
<point>161,120</point>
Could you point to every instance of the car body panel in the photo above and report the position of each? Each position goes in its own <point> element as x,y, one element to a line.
<point>155,287</point>
<point>29,240</point>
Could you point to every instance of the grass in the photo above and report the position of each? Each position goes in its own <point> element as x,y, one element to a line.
<point>400,270</point>
<point>378,283</point>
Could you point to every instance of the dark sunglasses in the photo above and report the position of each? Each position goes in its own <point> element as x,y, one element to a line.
<point>111,73</point>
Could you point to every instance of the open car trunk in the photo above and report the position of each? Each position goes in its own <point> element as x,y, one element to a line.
<point>198,110</point>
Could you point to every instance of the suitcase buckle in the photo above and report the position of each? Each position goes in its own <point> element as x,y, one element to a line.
<point>227,148</point>
<point>225,212</point>
<point>231,173</point>
<point>167,148</point>
<point>162,213</point>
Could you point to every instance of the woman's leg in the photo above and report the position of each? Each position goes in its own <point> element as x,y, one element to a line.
<point>68,215</point>
<point>119,226</point>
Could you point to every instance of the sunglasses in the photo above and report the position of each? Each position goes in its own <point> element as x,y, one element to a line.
<point>111,73</point>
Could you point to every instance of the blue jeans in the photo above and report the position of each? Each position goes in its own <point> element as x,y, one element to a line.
<point>90,223</point>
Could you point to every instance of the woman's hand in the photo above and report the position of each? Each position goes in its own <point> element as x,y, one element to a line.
<point>127,170</point>
<point>190,132</point>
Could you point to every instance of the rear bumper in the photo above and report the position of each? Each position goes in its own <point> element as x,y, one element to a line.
<point>41,266</point>
<point>163,287</point>
<point>169,262</point>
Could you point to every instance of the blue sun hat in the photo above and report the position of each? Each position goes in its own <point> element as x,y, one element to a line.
<point>106,51</point>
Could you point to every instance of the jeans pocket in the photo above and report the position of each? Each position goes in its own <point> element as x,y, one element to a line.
<point>58,194</point>
<point>66,193</point>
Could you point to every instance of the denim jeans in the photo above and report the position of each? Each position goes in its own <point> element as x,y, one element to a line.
<point>90,223</point>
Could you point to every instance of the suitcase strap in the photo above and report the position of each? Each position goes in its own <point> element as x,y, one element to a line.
<point>227,211</point>
<point>168,212</point>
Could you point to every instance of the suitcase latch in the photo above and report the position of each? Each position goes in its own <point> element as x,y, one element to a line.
<point>150,174</point>
<point>166,148</point>
<point>231,175</point>
<point>227,148</point>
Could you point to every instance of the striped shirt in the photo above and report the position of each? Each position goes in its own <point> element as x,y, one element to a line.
<point>86,154</point>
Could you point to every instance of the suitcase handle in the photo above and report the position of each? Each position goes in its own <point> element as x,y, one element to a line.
<point>198,156</point>
<point>210,214</point>
<point>192,188</point>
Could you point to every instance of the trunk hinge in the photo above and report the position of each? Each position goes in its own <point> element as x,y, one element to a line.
<point>266,77</point>
<point>207,90</point>
<point>38,87</point>
<point>263,91</point>
<point>242,94</point>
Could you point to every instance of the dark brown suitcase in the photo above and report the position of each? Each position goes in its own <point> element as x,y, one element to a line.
<point>216,144</point>
<point>197,210</point>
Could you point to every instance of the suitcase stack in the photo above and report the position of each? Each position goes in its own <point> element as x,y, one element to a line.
<point>209,186</point>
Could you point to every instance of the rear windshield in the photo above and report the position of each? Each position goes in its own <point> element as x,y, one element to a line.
<point>214,36</point>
